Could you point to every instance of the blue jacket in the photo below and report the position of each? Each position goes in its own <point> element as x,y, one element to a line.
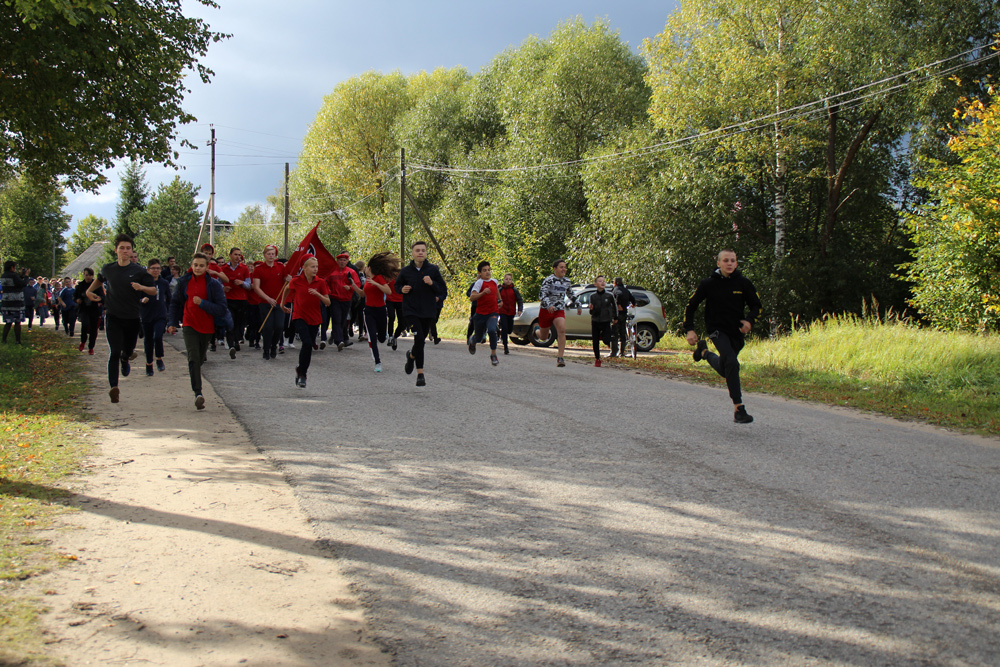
<point>158,306</point>
<point>214,305</point>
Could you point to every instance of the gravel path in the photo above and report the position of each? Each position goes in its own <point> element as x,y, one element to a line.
<point>532,515</point>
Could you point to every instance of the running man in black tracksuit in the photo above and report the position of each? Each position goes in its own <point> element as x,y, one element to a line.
<point>731,308</point>
<point>421,285</point>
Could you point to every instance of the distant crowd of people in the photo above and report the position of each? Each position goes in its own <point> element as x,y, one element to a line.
<point>262,306</point>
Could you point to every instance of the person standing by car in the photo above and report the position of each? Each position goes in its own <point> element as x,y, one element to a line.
<point>619,332</point>
<point>603,316</point>
<point>731,308</point>
<point>552,313</point>
<point>512,306</point>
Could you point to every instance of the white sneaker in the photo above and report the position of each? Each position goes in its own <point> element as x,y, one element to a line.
<point>289,346</point>
<point>378,368</point>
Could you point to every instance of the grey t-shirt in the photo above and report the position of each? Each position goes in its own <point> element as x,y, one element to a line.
<point>120,299</point>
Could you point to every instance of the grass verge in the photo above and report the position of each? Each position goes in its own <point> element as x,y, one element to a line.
<point>890,367</point>
<point>42,439</point>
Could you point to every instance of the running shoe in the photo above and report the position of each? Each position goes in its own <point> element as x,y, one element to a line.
<point>741,416</point>
<point>90,351</point>
<point>392,343</point>
<point>232,353</point>
<point>437,339</point>
<point>199,402</point>
<point>378,368</point>
<point>149,370</point>
<point>700,350</point>
<point>302,382</point>
<point>81,344</point>
<point>114,393</point>
<point>126,368</point>
<point>506,350</point>
<point>560,362</point>
<point>211,347</point>
<point>291,345</point>
<point>410,363</point>
<point>298,377</point>
<point>281,350</point>
<point>322,345</point>
<point>159,365</point>
<point>315,346</point>
<point>132,356</point>
<point>472,346</point>
<point>494,360</point>
<point>340,347</point>
<point>421,382</point>
<point>597,363</point>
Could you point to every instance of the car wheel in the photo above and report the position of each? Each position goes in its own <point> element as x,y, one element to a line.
<point>533,336</point>
<point>645,337</point>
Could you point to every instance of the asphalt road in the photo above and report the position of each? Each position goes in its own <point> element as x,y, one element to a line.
<point>535,515</point>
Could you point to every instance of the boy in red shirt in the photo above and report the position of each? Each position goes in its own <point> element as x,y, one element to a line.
<point>308,292</point>
<point>268,280</point>
<point>197,301</point>
<point>486,295</point>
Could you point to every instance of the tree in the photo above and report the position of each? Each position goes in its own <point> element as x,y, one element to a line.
<point>88,231</point>
<point>133,196</point>
<point>169,225</point>
<point>32,223</point>
<point>87,83</point>
<point>956,234</point>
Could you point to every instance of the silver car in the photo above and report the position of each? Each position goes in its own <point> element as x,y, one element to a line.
<point>650,319</point>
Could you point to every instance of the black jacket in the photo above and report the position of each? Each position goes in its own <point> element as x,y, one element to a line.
<point>603,307</point>
<point>623,296</point>
<point>727,302</point>
<point>422,299</point>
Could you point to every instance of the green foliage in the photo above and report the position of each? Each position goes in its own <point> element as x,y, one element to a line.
<point>133,196</point>
<point>169,225</point>
<point>956,266</point>
<point>32,223</point>
<point>88,231</point>
<point>89,83</point>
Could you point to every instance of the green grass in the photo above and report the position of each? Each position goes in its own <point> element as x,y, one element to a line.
<point>42,435</point>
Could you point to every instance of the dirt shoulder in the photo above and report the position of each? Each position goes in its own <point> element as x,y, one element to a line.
<point>190,547</point>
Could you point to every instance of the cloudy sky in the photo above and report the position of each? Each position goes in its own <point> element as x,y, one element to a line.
<point>283,58</point>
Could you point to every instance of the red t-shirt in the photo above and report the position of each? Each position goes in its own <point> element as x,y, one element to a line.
<point>271,278</point>
<point>252,298</point>
<point>509,300</point>
<point>375,297</point>
<point>339,279</point>
<point>236,277</point>
<point>194,316</point>
<point>394,296</point>
<point>487,303</point>
<point>306,306</point>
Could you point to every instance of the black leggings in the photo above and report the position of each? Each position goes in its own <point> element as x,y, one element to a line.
<point>725,362</point>
<point>238,309</point>
<point>375,324</point>
<point>152,339</point>
<point>395,310</point>
<point>307,335</point>
<point>89,319</point>
<point>122,335</point>
<point>600,331</point>
<point>420,326</point>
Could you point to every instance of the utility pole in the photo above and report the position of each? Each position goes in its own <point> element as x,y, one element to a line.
<point>286,210</point>
<point>211,199</point>
<point>402,204</point>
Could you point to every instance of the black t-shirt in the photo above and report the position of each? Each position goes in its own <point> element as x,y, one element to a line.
<point>120,299</point>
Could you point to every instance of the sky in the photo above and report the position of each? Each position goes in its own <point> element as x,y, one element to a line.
<point>271,76</point>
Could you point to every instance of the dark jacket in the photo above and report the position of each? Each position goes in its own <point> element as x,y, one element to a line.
<point>215,305</point>
<point>603,307</point>
<point>624,297</point>
<point>422,299</point>
<point>727,302</point>
<point>158,306</point>
<point>512,301</point>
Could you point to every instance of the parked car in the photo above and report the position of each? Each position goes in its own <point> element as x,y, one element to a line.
<point>650,319</point>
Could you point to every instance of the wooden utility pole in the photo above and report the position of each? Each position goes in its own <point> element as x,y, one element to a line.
<point>211,199</point>
<point>286,211</point>
<point>402,205</point>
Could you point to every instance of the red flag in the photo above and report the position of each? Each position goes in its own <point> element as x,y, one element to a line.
<point>311,246</point>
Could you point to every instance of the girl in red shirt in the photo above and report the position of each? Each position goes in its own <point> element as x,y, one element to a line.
<point>381,272</point>
<point>308,292</point>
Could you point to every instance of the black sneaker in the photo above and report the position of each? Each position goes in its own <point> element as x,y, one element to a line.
<point>199,402</point>
<point>741,416</point>
<point>494,360</point>
<point>322,345</point>
<point>302,382</point>
<point>700,350</point>
<point>392,343</point>
<point>560,362</point>
<point>506,350</point>
<point>298,376</point>
<point>211,347</point>
<point>437,340</point>
<point>232,353</point>
<point>410,363</point>
<point>114,393</point>
<point>340,347</point>
<point>159,365</point>
<point>126,368</point>
<point>149,370</point>
<point>421,382</point>
<point>267,356</point>
<point>472,346</point>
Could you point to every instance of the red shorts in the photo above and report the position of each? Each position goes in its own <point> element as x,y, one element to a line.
<point>545,318</point>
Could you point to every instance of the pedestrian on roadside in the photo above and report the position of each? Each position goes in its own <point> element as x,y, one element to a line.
<point>419,282</point>
<point>155,310</point>
<point>732,305</point>
<point>308,293</point>
<point>485,295</point>
<point>603,317</point>
<point>197,301</point>
<point>124,282</point>
<point>555,295</point>
<point>512,305</point>
<point>13,283</point>
<point>619,331</point>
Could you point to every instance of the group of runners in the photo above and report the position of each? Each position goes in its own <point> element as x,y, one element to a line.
<point>232,304</point>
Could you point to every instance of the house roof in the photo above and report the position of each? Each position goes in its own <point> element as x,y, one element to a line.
<point>90,257</point>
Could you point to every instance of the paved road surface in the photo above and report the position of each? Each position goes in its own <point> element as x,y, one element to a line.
<point>531,515</point>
